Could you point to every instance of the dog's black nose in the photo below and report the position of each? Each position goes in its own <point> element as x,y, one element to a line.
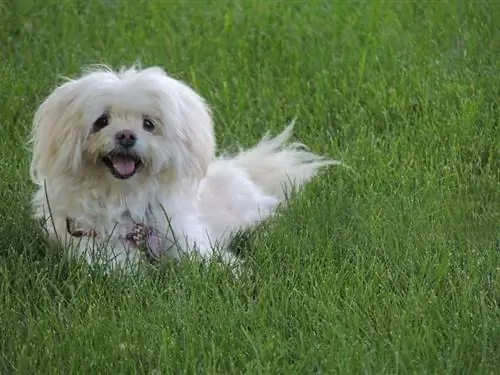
<point>126,138</point>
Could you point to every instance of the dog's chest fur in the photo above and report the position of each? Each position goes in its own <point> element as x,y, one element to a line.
<point>112,214</point>
<point>117,215</point>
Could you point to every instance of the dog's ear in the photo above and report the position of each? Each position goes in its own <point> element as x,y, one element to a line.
<point>192,122</point>
<point>58,134</point>
<point>199,141</point>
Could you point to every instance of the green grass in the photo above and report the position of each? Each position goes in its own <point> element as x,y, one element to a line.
<point>391,267</point>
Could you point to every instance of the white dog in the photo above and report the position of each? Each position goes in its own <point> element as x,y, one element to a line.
<point>125,161</point>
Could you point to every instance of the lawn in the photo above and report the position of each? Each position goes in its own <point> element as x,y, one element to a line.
<point>391,266</point>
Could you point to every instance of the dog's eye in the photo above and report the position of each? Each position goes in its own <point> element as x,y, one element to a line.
<point>148,125</point>
<point>101,122</point>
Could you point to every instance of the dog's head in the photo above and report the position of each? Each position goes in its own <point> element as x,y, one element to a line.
<point>123,125</point>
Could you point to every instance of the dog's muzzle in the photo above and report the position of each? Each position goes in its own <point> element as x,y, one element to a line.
<point>121,163</point>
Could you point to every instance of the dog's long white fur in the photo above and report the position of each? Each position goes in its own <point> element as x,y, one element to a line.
<point>195,199</point>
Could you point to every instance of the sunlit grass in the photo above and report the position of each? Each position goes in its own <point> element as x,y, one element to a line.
<point>389,267</point>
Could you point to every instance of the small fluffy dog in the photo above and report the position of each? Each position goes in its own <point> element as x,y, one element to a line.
<point>125,168</point>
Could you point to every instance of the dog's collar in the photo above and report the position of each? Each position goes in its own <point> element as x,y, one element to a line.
<point>70,227</point>
<point>141,237</point>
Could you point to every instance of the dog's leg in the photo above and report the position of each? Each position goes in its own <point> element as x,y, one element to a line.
<point>184,228</point>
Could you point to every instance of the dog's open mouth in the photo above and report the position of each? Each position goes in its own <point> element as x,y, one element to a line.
<point>122,165</point>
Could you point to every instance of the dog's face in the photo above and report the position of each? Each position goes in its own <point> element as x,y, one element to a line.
<point>122,125</point>
<point>126,141</point>
<point>120,148</point>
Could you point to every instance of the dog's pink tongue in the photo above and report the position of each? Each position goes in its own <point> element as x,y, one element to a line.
<point>124,166</point>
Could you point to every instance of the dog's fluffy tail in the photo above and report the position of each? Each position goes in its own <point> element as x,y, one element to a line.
<point>279,167</point>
